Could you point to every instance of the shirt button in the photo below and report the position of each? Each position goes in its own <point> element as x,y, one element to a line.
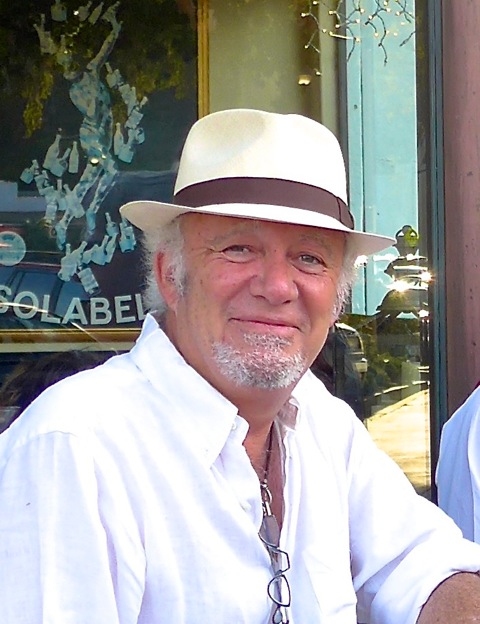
<point>245,506</point>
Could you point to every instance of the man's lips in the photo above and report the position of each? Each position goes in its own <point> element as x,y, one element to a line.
<point>264,322</point>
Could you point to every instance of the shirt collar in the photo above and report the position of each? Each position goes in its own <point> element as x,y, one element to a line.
<point>208,417</point>
<point>205,415</point>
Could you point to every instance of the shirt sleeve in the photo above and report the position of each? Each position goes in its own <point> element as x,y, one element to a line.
<point>458,469</point>
<point>56,563</point>
<point>402,545</point>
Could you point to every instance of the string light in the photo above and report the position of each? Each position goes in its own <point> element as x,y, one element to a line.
<point>351,24</point>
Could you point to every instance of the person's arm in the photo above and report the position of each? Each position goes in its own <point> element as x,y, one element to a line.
<point>109,43</point>
<point>458,468</point>
<point>403,546</point>
<point>455,601</point>
<point>58,560</point>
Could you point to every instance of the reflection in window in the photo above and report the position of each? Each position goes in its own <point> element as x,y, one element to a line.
<point>389,306</point>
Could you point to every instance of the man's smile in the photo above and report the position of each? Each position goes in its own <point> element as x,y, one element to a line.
<point>261,324</point>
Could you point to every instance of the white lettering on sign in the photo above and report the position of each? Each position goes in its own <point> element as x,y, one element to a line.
<point>140,310</point>
<point>46,317</point>
<point>95,311</point>
<point>5,294</point>
<point>122,304</point>
<point>75,312</point>
<point>99,311</point>
<point>26,304</point>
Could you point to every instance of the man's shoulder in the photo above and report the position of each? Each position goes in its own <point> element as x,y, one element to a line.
<point>466,418</point>
<point>73,405</point>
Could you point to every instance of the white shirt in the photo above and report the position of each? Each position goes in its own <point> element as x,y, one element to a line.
<point>458,468</point>
<point>127,496</point>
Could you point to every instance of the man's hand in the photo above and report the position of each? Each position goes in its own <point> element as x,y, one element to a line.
<point>455,601</point>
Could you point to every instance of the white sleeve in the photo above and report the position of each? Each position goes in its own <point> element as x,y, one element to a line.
<point>458,469</point>
<point>56,561</point>
<point>402,545</point>
<point>474,465</point>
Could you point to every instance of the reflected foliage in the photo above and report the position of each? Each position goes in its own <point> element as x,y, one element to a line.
<point>157,38</point>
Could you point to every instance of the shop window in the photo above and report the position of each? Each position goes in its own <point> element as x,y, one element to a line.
<point>96,100</point>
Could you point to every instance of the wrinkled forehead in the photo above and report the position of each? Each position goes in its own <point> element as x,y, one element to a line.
<point>218,226</point>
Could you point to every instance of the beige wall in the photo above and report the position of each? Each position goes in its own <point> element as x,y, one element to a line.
<point>256,55</point>
<point>461,60</point>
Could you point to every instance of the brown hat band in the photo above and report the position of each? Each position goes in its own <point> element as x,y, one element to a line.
<point>265,191</point>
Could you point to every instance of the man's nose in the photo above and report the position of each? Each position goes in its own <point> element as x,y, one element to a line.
<point>275,281</point>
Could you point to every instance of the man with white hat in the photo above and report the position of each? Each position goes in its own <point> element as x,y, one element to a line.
<point>212,478</point>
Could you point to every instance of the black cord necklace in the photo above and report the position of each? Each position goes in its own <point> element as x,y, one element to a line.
<point>265,490</point>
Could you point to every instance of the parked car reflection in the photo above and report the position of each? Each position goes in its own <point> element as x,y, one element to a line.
<point>39,286</point>
<point>341,365</point>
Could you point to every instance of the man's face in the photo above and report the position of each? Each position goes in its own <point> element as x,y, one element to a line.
<point>258,299</point>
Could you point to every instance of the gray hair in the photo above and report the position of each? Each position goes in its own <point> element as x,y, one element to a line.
<point>169,241</point>
<point>345,280</point>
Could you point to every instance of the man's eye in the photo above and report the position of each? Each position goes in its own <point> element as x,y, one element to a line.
<point>309,259</point>
<point>237,252</point>
<point>310,263</point>
<point>236,249</point>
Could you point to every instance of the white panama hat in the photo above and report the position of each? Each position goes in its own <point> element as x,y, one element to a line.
<point>258,165</point>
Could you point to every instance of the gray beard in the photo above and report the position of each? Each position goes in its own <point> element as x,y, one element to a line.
<point>265,366</point>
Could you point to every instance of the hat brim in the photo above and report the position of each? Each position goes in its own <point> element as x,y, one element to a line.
<point>150,215</point>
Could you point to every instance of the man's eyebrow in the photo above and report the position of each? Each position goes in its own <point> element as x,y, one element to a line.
<point>319,237</point>
<point>241,228</point>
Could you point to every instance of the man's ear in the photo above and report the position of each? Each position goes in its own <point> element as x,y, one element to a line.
<point>165,282</point>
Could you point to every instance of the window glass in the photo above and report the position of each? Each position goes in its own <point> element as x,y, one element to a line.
<point>96,99</point>
<point>389,307</point>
